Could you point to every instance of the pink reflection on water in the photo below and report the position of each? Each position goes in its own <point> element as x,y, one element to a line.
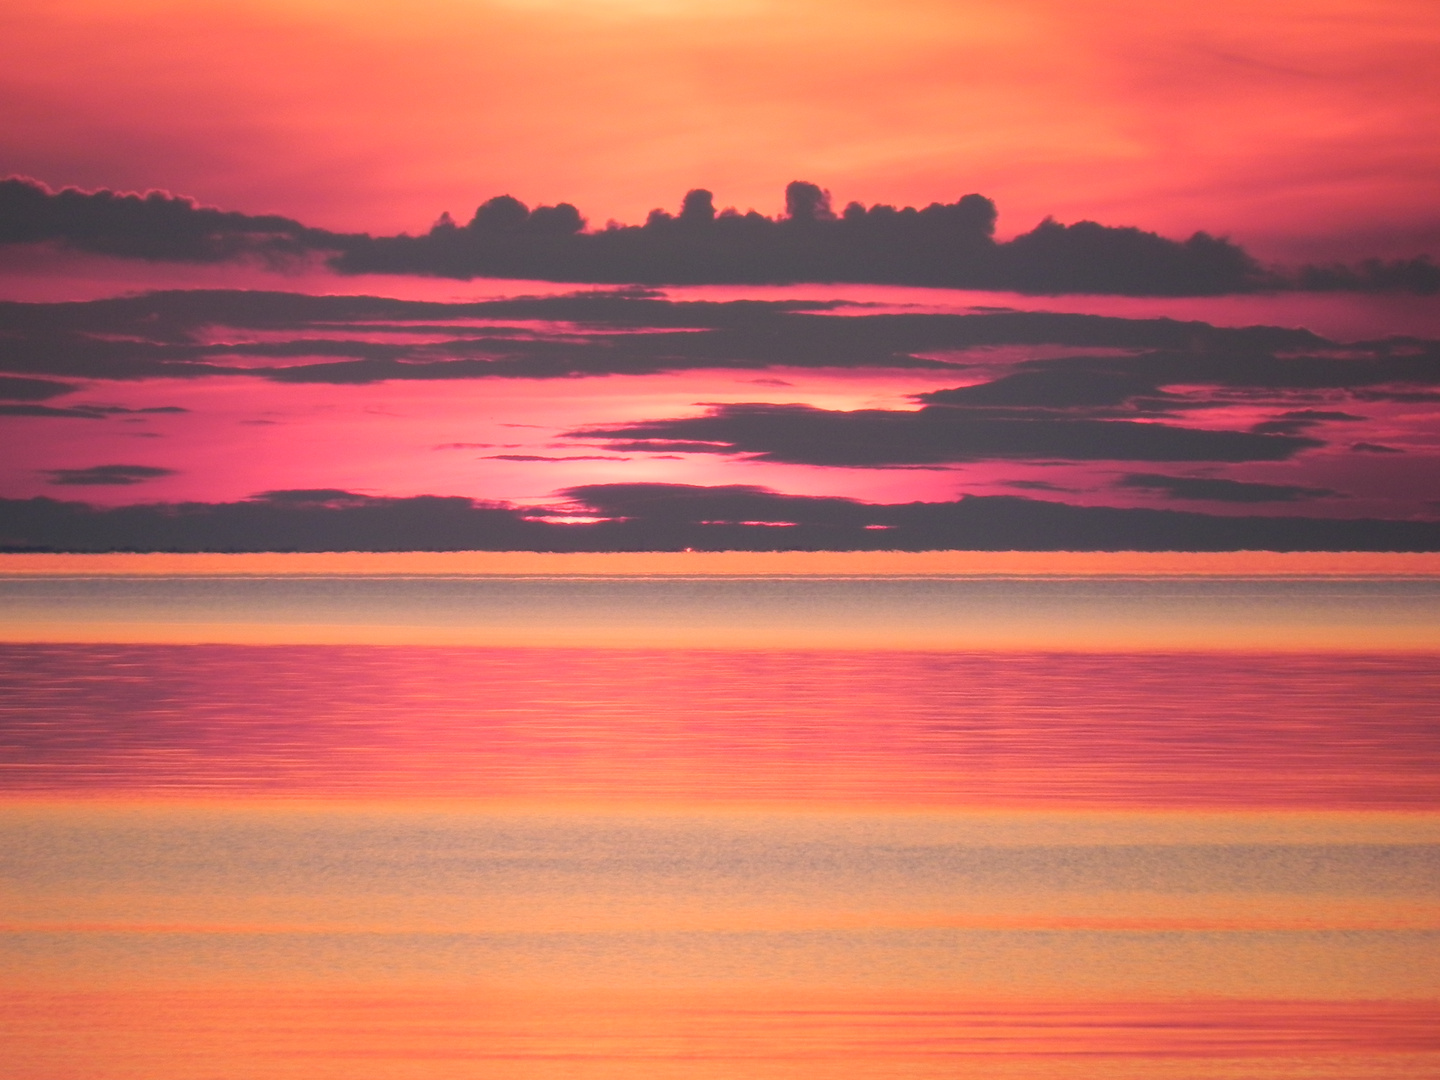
<point>938,729</point>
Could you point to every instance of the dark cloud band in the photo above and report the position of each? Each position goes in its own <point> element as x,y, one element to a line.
<point>801,435</point>
<point>942,244</point>
<point>671,517</point>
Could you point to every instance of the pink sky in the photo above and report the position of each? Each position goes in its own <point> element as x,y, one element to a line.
<point>1301,128</point>
<point>505,439</point>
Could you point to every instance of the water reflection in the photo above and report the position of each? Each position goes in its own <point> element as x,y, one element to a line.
<point>1202,729</point>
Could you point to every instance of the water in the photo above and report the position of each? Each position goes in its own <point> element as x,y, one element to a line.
<point>935,613</point>
<point>879,727</point>
<point>265,828</point>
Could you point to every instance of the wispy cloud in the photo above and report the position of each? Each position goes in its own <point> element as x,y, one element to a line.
<point>107,475</point>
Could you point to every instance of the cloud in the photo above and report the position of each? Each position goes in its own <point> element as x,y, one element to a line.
<point>26,392</point>
<point>685,504</point>
<point>1171,383</point>
<point>1409,397</point>
<point>1318,415</point>
<point>1373,448</point>
<point>942,244</point>
<point>359,339</point>
<point>112,410</point>
<point>870,438</point>
<point>155,226</point>
<point>15,389</point>
<point>671,517</point>
<point>1418,275</point>
<point>542,457</point>
<point>1212,489</point>
<point>49,410</point>
<point>1091,258</point>
<point>1057,388</point>
<point>1132,395</point>
<point>104,475</point>
<point>1036,485</point>
<point>299,520</point>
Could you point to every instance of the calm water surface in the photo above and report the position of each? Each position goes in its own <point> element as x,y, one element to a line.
<point>320,860</point>
<point>888,728</point>
<point>928,613</point>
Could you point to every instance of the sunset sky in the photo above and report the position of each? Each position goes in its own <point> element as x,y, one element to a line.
<point>1300,127</point>
<point>1302,131</point>
<point>713,539</point>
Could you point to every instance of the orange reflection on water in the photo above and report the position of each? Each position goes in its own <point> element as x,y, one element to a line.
<point>329,1034</point>
<point>403,863</point>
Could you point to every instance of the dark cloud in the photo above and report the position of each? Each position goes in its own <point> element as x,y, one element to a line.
<point>672,517</point>
<point>1419,275</point>
<point>49,410</point>
<point>1281,427</point>
<point>1237,364</point>
<point>349,340</point>
<point>1299,420</point>
<point>942,244</point>
<point>1131,397</point>
<point>1406,397</point>
<point>112,410</point>
<point>1035,485</point>
<point>1373,448</point>
<point>542,457</point>
<point>1089,407</point>
<point>102,475</point>
<point>30,390</point>
<point>1169,383</point>
<point>15,389</point>
<point>306,520</point>
<point>156,226</point>
<point>733,504</point>
<point>1211,489</point>
<point>1091,258</point>
<point>1058,388</point>
<point>331,498</point>
<point>802,435</point>
<point>1318,415</point>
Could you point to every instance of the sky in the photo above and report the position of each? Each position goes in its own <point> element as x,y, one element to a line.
<point>992,275</point>
<point>1304,128</point>
<point>793,369</point>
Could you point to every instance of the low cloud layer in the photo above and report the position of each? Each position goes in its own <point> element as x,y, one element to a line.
<point>942,244</point>
<point>1144,405</point>
<point>1189,411</point>
<point>671,517</point>
<point>1217,489</point>
<point>802,435</point>
<point>294,338</point>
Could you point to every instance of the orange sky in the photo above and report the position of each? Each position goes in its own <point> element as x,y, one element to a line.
<point>1301,127</point>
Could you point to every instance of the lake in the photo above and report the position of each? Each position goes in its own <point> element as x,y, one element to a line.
<point>262,821</point>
